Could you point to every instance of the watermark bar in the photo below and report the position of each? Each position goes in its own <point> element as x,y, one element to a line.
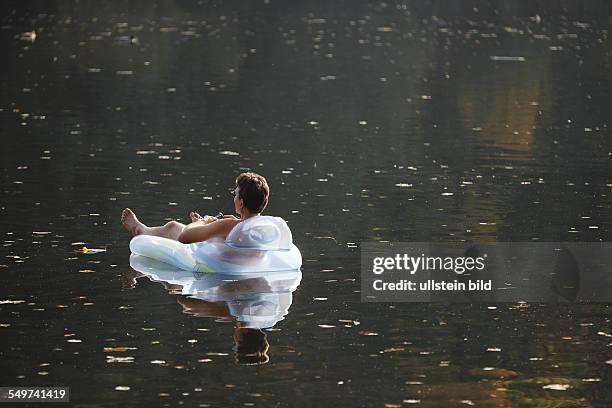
<point>34,394</point>
<point>548,272</point>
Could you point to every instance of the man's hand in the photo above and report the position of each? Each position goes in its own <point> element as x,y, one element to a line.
<point>207,219</point>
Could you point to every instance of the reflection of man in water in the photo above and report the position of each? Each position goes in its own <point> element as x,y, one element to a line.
<point>252,303</point>
<point>250,345</point>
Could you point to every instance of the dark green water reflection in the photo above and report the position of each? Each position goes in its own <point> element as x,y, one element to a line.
<point>413,121</point>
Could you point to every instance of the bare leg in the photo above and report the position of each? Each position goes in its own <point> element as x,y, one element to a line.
<point>170,230</point>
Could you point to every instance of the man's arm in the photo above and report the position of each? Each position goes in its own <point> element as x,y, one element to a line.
<point>197,232</point>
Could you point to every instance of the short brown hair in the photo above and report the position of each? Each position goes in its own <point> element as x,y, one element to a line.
<point>251,346</point>
<point>254,191</point>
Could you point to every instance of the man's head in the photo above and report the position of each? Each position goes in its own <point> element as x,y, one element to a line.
<point>252,192</point>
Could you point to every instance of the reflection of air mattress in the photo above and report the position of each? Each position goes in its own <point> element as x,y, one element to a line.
<point>256,300</point>
<point>258,244</point>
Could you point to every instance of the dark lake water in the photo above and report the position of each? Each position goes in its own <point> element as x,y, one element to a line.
<point>399,121</point>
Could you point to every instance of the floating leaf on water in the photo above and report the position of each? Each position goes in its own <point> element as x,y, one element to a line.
<point>505,58</point>
<point>556,387</point>
<point>117,349</point>
<point>113,359</point>
<point>393,350</point>
<point>90,251</point>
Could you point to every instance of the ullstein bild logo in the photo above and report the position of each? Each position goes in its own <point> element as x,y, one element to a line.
<point>491,272</point>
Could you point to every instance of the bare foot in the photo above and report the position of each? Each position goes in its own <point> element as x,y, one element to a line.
<point>195,216</point>
<point>131,223</point>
